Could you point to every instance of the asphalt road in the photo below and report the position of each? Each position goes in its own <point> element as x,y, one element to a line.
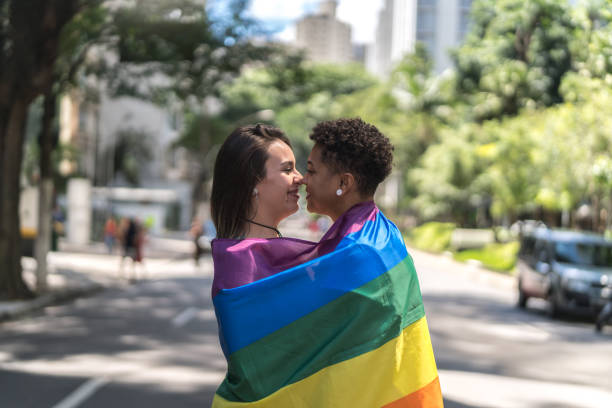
<point>153,343</point>
<point>492,354</point>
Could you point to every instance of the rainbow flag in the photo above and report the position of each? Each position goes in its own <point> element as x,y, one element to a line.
<point>338,323</point>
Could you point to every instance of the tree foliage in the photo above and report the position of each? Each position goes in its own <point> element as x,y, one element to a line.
<point>287,92</point>
<point>156,49</point>
<point>179,48</point>
<point>515,56</point>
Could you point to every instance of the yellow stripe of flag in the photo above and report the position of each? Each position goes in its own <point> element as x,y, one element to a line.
<point>398,368</point>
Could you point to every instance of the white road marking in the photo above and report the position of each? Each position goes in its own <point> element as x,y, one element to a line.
<point>471,389</point>
<point>78,396</point>
<point>185,316</point>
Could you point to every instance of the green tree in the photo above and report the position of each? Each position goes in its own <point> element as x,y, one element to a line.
<point>542,70</point>
<point>511,177</point>
<point>29,37</point>
<point>287,92</point>
<point>176,48</point>
<point>166,48</point>
<point>445,178</point>
<point>84,30</point>
<point>416,88</point>
<point>514,56</point>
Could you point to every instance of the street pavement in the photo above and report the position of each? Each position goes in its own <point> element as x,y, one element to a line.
<point>152,342</point>
<point>491,354</point>
<point>78,269</point>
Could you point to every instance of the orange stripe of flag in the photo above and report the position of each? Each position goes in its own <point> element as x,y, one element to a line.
<point>429,396</point>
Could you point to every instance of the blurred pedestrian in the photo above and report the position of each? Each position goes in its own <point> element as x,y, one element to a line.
<point>324,223</point>
<point>133,237</point>
<point>313,227</point>
<point>196,232</point>
<point>604,317</point>
<point>210,232</point>
<point>121,230</point>
<point>110,233</point>
<point>141,237</point>
<point>57,227</point>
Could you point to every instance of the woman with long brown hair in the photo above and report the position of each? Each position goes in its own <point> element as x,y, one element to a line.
<point>255,183</point>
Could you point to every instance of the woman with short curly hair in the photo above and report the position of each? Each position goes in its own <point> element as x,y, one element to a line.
<point>349,160</point>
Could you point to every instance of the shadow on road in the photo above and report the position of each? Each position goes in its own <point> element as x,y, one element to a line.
<point>508,337</point>
<point>449,403</point>
<point>120,322</point>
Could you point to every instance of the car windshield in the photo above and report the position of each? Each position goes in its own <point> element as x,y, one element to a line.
<point>583,253</point>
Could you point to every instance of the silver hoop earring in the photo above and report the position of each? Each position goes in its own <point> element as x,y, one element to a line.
<point>339,192</point>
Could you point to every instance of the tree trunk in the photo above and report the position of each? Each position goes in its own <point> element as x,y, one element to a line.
<point>595,214</point>
<point>565,218</point>
<point>608,213</point>
<point>12,285</point>
<point>45,192</point>
<point>32,34</point>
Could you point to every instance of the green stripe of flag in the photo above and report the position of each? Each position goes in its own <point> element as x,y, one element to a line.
<point>353,324</point>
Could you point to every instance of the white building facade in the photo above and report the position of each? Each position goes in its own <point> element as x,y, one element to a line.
<point>95,129</point>
<point>324,37</point>
<point>439,24</point>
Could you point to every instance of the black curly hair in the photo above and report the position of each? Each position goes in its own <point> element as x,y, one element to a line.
<point>357,147</point>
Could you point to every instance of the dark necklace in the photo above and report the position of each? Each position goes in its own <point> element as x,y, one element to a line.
<point>266,226</point>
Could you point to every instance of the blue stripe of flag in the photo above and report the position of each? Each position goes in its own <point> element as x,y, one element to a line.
<point>248,313</point>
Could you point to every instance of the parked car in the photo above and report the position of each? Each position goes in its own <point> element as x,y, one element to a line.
<point>571,270</point>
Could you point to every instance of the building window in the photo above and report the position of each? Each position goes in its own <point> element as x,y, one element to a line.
<point>464,17</point>
<point>426,16</point>
<point>426,25</point>
<point>426,22</point>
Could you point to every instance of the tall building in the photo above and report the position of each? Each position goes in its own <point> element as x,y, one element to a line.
<point>323,36</point>
<point>378,54</point>
<point>439,24</point>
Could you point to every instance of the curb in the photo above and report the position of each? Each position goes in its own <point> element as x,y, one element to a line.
<point>15,309</point>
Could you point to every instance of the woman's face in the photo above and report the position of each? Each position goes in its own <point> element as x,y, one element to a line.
<point>277,193</point>
<point>321,184</point>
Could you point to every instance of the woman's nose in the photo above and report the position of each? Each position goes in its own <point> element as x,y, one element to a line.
<point>298,179</point>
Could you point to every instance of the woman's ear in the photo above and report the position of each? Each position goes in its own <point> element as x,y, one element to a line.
<point>347,182</point>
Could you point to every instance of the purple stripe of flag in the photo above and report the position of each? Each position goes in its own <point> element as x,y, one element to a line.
<point>240,262</point>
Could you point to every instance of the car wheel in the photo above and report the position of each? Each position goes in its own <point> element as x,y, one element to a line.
<point>553,310</point>
<point>598,326</point>
<point>522,298</point>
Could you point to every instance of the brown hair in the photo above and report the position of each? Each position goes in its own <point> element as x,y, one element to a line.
<point>240,165</point>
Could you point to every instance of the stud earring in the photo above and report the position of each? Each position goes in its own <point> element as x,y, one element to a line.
<point>255,192</point>
<point>339,192</point>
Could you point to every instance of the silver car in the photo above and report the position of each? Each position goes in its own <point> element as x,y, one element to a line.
<point>571,270</point>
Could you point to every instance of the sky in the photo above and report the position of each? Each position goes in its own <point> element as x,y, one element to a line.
<point>279,16</point>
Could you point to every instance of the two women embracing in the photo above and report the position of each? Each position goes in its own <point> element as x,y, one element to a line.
<point>334,323</point>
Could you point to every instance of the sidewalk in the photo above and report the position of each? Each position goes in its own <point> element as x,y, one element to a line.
<point>81,270</point>
<point>63,285</point>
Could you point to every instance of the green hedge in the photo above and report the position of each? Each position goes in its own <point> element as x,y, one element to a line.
<point>500,257</point>
<point>432,236</point>
<point>436,237</point>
